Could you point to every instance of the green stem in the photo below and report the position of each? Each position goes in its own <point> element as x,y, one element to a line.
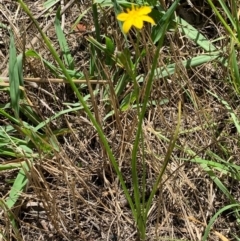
<point>229,30</point>
<point>90,115</point>
<point>165,163</point>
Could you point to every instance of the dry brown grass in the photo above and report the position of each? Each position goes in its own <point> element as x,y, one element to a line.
<point>75,194</point>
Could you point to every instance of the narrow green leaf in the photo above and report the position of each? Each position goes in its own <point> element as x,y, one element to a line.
<point>10,166</point>
<point>234,69</point>
<point>193,34</point>
<point>213,219</point>
<point>18,186</point>
<point>110,47</point>
<point>164,23</point>
<point>68,59</point>
<point>55,70</point>
<point>235,119</point>
<point>20,74</point>
<point>228,13</point>
<point>193,62</point>
<point>222,20</point>
<point>14,76</point>
<point>49,3</point>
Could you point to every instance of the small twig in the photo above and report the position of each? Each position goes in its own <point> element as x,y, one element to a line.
<point>63,16</point>
<point>52,80</point>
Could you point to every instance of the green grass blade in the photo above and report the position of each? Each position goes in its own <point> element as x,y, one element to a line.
<point>193,34</point>
<point>84,104</point>
<point>28,111</point>
<point>16,190</point>
<point>18,186</point>
<point>109,3</point>
<point>235,10</point>
<point>96,22</point>
<point>141,215</point>
<point>79,18</point>
<point>213,219</point>
<point>20,74</point>
<point>10,166</point>
<point>14,76</point>
<point>235,119</point>
<point>55,70</point>
<point>110,48</point>
<point>234,69</point>
<point>172,143</point>
<point>158,30</point>
<point>228,13</point>
<point>223,21</point>
<point>9,117</point>
<point>68,59</point>
<point>194,62</point>
<point>218,182</point>
<point>49,3</point>
<point>225,168</point>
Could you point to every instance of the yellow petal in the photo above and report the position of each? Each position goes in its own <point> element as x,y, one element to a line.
<point>122,16</point>
<point>127,25</point>
<point>144,10</point>
<point>148,19</point>
<point>138,23</point>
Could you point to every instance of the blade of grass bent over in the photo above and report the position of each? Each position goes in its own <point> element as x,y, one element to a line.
<point>212,220</point>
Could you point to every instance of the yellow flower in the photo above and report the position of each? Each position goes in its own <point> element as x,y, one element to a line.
<point>135,17</point>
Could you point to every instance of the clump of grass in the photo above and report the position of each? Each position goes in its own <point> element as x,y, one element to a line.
<point>129,85</point>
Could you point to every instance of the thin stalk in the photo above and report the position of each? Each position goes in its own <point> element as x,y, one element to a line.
<point>228,29</point>
<point>143,218</point>
<point>134,162</point>
<point>165,163</point>
<point>80,97</point>
<point>139,130</point>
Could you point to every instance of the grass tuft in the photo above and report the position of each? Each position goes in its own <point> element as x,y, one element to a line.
<point>113,136</point>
